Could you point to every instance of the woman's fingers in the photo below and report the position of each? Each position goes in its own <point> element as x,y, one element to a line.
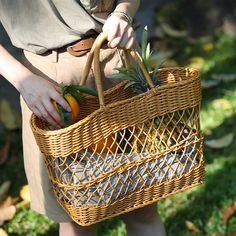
<point>59,99</point>
<point>130,43</point>
<point>52,112</point>
<point>119,32</point>
<point>112,29</point>
<point>127,39</point>
<point>44,113</point>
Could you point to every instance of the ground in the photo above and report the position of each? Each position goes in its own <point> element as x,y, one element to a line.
<point>209,209</point>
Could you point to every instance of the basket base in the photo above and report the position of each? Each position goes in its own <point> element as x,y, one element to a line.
<point>86,216</point>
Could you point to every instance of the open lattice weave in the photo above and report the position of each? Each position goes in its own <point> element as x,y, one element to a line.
<point>151,148</point>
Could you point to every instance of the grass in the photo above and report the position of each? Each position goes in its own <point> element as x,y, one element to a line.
<point>203,205</point>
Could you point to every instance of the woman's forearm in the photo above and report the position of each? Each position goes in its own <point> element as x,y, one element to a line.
<point>128,6</point>
<point>11,69</point>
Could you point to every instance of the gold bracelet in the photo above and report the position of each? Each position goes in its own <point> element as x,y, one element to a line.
<point>124,15</point>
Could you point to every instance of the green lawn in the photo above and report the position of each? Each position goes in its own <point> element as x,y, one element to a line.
<point>204,205</point>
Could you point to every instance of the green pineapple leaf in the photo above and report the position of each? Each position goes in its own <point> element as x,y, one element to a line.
<point>148,53</point>
<point>130,84</point>
<point>156,80</point>
<point>134,74</point>
<point>144,42</point>
<point>121,76</point>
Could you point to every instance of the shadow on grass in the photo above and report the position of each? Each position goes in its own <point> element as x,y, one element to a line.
<point>216,92</point>
<point>228,126</point>
<point>206,204</point>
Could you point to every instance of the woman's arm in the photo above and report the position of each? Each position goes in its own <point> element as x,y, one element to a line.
<point>36,91</point>
<point>118,25</point>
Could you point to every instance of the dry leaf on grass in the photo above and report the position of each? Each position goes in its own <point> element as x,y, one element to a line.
<point>232,234</point>
<point>229,211</point>
<point>4,188</point>
<point>25,193</point>
<point>10,118</point>
<point>3,232</point>
<point>196,62</point>
<point>206,84</point>
<point>224,77</point>
<point>207,47</point>
<point>222,142</point>
<point>192,227</point>
<point>4,151</point>
<point>222,103</point>
<point>167,29</point>
<point>7,210</point>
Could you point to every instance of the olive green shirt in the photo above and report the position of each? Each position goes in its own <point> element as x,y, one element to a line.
<point>40,25</point>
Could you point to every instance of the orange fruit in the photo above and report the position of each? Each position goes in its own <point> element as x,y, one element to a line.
<point>75,108</point>
<point>68,117</point>
<point>106,145</point>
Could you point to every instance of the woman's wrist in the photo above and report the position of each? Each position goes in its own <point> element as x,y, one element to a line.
<point>129,7</point>
<point>122,14</point>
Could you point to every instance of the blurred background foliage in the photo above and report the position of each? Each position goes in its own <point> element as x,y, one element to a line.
<point>200,34</point>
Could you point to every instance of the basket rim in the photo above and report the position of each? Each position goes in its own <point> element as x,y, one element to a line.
<point>150,92</point>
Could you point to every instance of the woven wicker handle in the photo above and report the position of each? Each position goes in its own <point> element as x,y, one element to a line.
<point>94,57</point>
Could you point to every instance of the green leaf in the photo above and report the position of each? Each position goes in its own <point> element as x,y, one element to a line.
<point>62,86</point>
<point>65,116</point>
<point>77,96</point>
<point>121,69</point>
<point>155,79</point>
<point>119,76</point>
<point>130,84</point>
<point>85,89</point>
<point>147,52</point>
<point>144,40</point>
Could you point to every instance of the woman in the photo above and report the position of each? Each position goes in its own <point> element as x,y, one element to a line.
<point>45,30</point>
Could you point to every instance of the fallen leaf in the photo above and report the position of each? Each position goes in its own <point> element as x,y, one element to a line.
<point>170,63</point>
<point>8,116</point>
<point>158,32</point>
<point>207,47</point>
<point>192,227</point>
<point>25,193</point>
<point>159,57</point>
<point>222,103</point>
<point>229,26</point>
<point>222,142</point>
<point>224,77</point>
<point>3,232</point>
<point>229,211</point>
<point>232,234</point>
<point>9,201</point>
<point>167,29</point>
<point>206,84</point>
<point>7,210</point>
<point>4,188</point>
<point>196,62</point>
<point>4,151</point>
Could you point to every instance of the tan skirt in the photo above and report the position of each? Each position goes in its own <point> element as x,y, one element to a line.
<point>60,67</point>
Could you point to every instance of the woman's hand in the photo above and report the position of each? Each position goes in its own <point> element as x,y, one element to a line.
<point>38,94</point>
<point>120,33</point>
<point>36,91</point>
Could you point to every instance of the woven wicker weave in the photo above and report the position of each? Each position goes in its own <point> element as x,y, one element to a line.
<point>156,147</point>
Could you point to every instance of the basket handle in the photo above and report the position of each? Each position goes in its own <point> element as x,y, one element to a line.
<point>94,57</point>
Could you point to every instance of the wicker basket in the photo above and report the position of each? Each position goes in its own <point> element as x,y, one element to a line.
<point>153,146</point>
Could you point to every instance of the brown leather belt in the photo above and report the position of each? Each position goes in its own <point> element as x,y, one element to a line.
<point>80,47</point>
